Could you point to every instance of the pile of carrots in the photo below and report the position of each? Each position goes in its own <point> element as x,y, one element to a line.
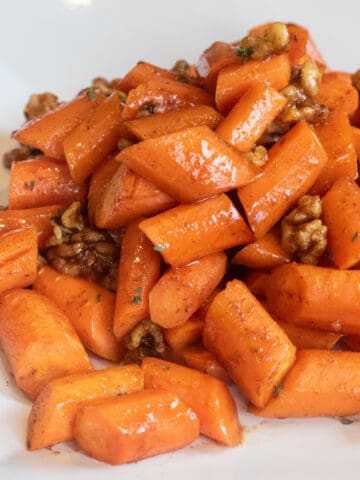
<point>201,256</point>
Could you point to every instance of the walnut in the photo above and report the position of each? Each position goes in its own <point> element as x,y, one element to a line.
<point>39,104</point>
<point>302,231</point>
<point>258,156</point>
<point>274,42</point>
<point>145,340</point>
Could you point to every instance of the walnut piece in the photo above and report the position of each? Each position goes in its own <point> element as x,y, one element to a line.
<point>274,42</point>
<point>39,104</point>
<point>302,231</point>
<point>258,156</point>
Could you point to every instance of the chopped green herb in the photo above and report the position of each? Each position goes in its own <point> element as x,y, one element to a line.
<point>165,367</point>
<point>158,248</point>
<point>183,80</point>
<point>355,236</point>
<point>32,185</point>
<point>91,94</point>
<point>150,107</point>
<point>330,255</point>
<point>245,53</point>
<point>346,421</point>
<point>137,297</point>
<point>98,298</point>
<point>278,389</point>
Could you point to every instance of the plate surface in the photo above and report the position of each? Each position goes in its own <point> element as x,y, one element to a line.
<point>59,46</point>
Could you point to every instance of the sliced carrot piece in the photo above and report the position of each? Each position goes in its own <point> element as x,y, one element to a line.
<point>182,336</point>
<point>142,72</point>
<point>303,337</point>
<point>337,92</point>
<point>199,358</point>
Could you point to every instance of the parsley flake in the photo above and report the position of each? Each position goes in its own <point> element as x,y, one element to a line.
<point>98,298</point>
<point>278,389</point>
<point>137,297</point>
<point>158,248</point>
<point>183,80</point>
<point>346,421</point>
<point>330,255</point>
<point>245,53</point>
<point>150,107</point>
<point>355,236</point>
<point>91,94</point>
<point>32,185</point>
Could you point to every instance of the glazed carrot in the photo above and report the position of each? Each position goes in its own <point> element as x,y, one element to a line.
<point>18,258</point>
<point>160,95</point>
<point>336,136</point>
<point>256,282</point>
<point>315,297</point>
<point>98,184</point>
<point>91,141</point>
<point>251,116</point>
<point>233,80</point>
<point>41,182</point>
<point>188,232</point>
<point>356,139</point>
<point>170,122</point>
<point>184,335</point>
<point>38,340</point>
<point>215,58</point>
<point>139,270</point>
<point>48,132</point>
<point>265,253</point>
<point>141,73</point>
<point>127,197</point>
<point>337,92</point>
<point>182,290</point>
<point>302,46</point>
<point>52,416</point>
<point>204,307</point>
<point>341,215</point>
<point>39,218</point>
<point>293,166</point>
<point>251,346</point>
<point>135,426</point>
<point>89,307</point>
<point>352,342</point>
<point>197,357</point>
<point>190,165</point>
<point>206,395</point>
<point>303,337</point>
<point>321,383</point>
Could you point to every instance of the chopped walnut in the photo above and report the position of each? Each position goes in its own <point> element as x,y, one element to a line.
<point>106,87</point>
<point>22,152</point>
<point>186,73</point>
<point>302,231</point>
<point>274,42</point>
<point>39,104</point>
<point>145,340</point>
<point>258,156</point>
<point>355,78</point>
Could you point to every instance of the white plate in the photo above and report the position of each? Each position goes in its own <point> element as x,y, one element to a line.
<point>60,45</point>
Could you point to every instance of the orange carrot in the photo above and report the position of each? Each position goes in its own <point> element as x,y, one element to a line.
<point>188,232</point>
<point>48,132</point>
<point>302,46</point>
<point>160,95</point>
<point>265,253</point>
<point>336,136</point>
<point>18,258</point>
<point>91,141</point>
<point>199,358</point>
<point>337,92</point>
<point>206,395</point>
<point>251,346</point>
<point>52,416</point>
<point>352,342</point>
<point>356,139</point>
<point>204,307</point>
<point>321,383</point>
<point>40,182</point>
<point>38,340</point>
<point>99,183</point>
<point>341,215</point>
<point>182,336</point>
<point>135,426</point>
<point>89,307</point>
<point>315,297</point>
<point>190,165</point>
<point>170,122</point>
<point>251,116</point>
<point>182,290</point>
<point>141,73</point>
<point>235,79</point>
<point>303,337</point>
<point>215,58</point>
<point>256,282</point>
<point>139,270</point>
<point>39,218</point>
<point>127,197</point>
<point>293,166</point>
